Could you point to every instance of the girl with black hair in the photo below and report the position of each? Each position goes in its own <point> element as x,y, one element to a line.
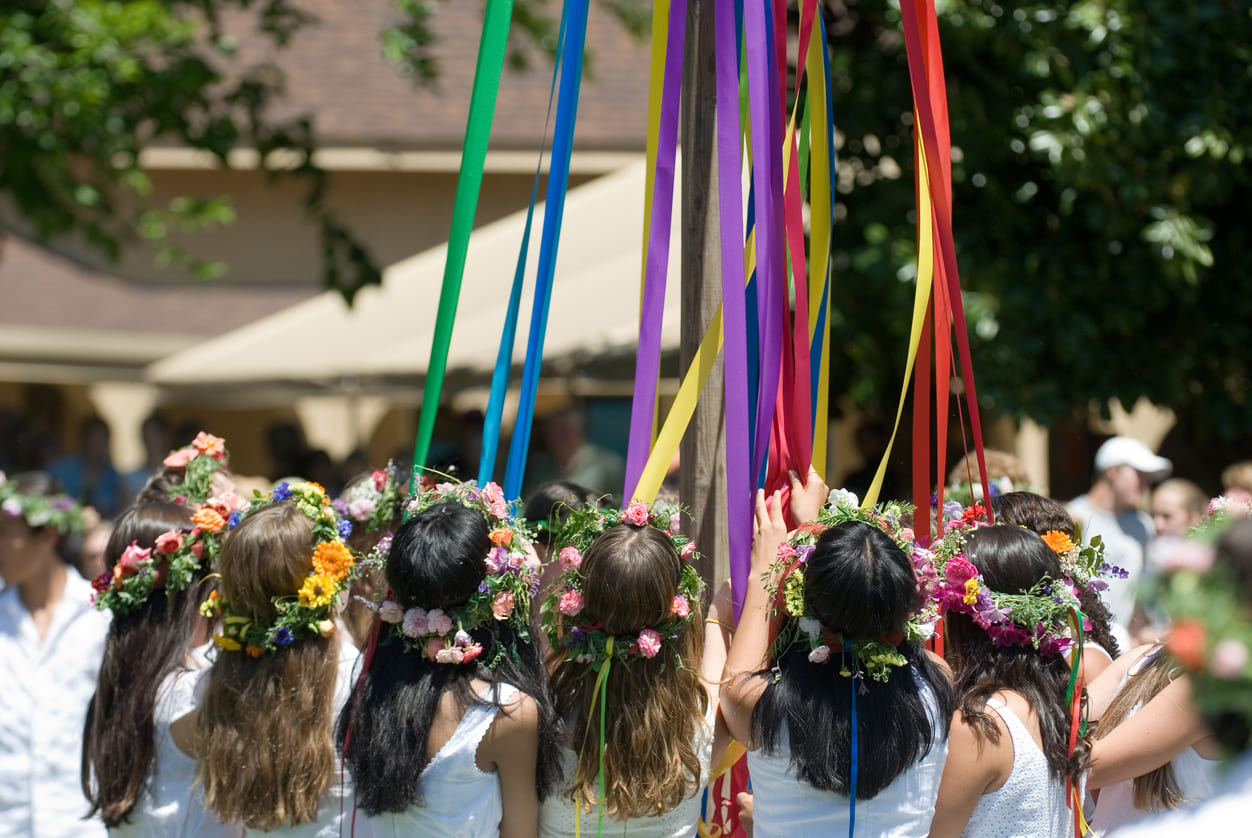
<point>450,730</point>
<point>845,719</point>
<point>136,779</point>
<point>1010,767</point>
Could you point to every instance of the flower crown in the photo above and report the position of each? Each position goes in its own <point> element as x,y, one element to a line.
<point>1212,629</point>
<point>1083,564</point>
<point>204,457</point>
<point>169,565</point>
<point>503,596</point>
<point>59,511</point>
<point>784,588</point>
<point>1040,617</point>
<point>373,503</point>
<point>564,620</point>
<point>311,609</point>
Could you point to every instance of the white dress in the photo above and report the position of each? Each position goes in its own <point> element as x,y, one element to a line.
<point>458,797</point>
<point>1228,813</point>
<point>786,807</point>
<point>1031,803</point>
<point>44,691</point>
<point>1196,777</point>
<point>172,805</point>
<point>558,815</point>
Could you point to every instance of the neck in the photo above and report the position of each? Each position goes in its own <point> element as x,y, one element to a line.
<point>1101,497</point>
<point>43,591</point>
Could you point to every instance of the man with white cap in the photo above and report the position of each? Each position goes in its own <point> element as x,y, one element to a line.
<point>1112,510</point>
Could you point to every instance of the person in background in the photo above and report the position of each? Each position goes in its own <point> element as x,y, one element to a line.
<point>1237,481</point>
<point>88,476</point>
<point>1124,467</point>
<point>157,441</point>
<point>1177,506</point>
<point>578,460</point>
<point>91,561</point>
<point>51,643</point>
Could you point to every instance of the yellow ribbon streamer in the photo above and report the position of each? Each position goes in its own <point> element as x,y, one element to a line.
<point>921,297</point>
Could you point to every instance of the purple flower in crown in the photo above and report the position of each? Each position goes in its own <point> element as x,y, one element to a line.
<point>61,503</point>
<point>340,506</point>
<point>804,551</point>
<point>344,526</point>
<point>282,491</point>
<point>1007,634</point>
<point>233,519</point>
<point>952,509</point>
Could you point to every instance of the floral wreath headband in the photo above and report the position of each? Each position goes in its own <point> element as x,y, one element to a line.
<point>310,609</point>
<point>204,457</point>
<point>784,586</point>
<point>1046,617</point>
<point>503,597</point>
<point>564,620</point>
<point>1212,632</point>
<point>373,503</point>
<point>59,511</point>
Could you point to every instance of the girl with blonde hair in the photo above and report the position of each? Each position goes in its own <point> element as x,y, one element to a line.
<point>263,733</point>
<point>627,637</point>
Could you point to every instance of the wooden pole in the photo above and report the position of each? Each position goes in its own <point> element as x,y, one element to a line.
<point>702,481</point>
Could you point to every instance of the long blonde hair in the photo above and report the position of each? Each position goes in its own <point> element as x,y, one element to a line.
<point>265,726</point>
<point>654,706</point>
<point>1158,789</point>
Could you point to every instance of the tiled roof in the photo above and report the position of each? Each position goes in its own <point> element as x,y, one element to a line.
<point>335,71</point>
<point>44,290</point>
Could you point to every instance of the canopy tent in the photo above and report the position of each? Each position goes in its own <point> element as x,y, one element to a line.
<point>386,336</point>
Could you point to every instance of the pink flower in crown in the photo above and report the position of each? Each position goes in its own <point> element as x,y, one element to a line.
<point>689,550</point>
<point>571,603</point>
<point>569,558</point>
<point>502,605</point>
<point>494,496</point>
<point>438,622</point>
<point>214,446</point>
<point>820,655</point>
<point>637,514</point>
<point>497,559</point>
<point>179,458</point>
<point>168,542</point>
<point>786,551</point>
<point>12,507</point>
<point>680,607</point>
<point>197,550</point>
<point>226,503</point>
<point>471,652</point>
<point>515,561</point>
<point>361,508</point>
<point>132,557</point>
<point>649,643</point>
<point>391,612</point>
<point>435,647</point>
<point>675,522</point>
<point>907,534</point>
<point>380,480</point>
<point>415,622</point>
<point>959,570</point>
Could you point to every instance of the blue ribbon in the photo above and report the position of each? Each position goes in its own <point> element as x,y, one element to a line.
<point>558,181</point>
<point>852,783</point>
<point>504,358</point>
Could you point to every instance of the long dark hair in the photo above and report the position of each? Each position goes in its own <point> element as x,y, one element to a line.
<point>1012,560</point>
<point>1041,514</point>
<point>859,584</point>
<point>141,650</point>
<point>437,560</point>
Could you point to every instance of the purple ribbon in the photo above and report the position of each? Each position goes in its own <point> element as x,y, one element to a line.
<point>734,306</point>
<point>652,308</point>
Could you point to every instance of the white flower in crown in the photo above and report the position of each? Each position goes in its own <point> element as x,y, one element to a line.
<point>843,498</point>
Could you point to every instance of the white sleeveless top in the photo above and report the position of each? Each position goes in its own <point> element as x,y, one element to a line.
<point>787,807</point>
<point>1196,776</point>
<point>458,797</point>
<point>1031,803</point>
<point>558,815</point>
<point>172,805</point>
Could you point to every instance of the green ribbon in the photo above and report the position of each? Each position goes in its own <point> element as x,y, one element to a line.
<point>491,51</point>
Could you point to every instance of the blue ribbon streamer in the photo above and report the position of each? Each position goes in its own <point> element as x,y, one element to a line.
<point>504,358</point>
<point>852,783</point>
<point>558,181</point>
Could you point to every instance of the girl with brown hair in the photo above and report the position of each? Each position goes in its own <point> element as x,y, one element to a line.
<point>263,733</point>
<point>627,637</point>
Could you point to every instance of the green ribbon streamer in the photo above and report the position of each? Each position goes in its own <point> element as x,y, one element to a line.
<point>491,49</point>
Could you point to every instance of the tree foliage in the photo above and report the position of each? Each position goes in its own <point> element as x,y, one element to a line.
<point>1099,175</point>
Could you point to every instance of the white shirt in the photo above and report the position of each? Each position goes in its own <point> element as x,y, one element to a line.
<point>44,691</point>
<point>1228,813</point>
<point>786,807</point>
<point>1125,535</point>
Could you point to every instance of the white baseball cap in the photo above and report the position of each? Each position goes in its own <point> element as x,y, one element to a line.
<point>1125,451</point>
